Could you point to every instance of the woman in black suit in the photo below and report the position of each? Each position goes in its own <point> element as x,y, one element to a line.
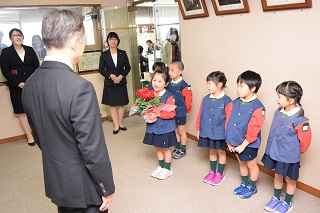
<point>18,62</point>
<point>114,66</point>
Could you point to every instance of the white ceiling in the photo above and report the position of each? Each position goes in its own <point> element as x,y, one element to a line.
<point>27,14</point>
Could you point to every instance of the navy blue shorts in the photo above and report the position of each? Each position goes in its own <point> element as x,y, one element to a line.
<point>212,144</point>
<point>180,120</point>
<point>248,154</point>
<point>290,170</point>
<point>165,140</point>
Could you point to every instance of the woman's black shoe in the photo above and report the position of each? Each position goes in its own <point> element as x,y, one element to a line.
<point>32,143</point>
<point>123,128</point>
<point>116,131</point>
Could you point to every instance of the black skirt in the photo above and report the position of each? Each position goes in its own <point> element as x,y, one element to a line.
<point>164,141</point>
<point>212,144</point>
<point>115,95</point>
<point>15,96</point>
<point>284,169</point>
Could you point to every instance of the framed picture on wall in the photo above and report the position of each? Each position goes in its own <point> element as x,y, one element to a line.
<point>271,5</point>
<point>224,7</point>
<point>193,8</point>
<point>88,62</point>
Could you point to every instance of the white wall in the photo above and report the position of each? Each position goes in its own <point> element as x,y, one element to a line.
<point>282,45</point>
<point>9,125</point>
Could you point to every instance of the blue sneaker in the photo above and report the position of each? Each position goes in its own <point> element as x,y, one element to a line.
<point>284,207</point>
<point>273,204</point>
<point>239,189</point>
<point>248,192</point>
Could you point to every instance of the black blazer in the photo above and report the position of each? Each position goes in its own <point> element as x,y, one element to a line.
<point>64,115</point>
<point>107,67</point>
<point>142,59</point>
<point>14,69</point>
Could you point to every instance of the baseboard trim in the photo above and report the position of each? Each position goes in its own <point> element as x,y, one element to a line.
<point>302,186</point>
<point>20,137</point>
<point>11,139</point>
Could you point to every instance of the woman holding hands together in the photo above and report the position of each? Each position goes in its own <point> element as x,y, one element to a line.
<point>114,66</point>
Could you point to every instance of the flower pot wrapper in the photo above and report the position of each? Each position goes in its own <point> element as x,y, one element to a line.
<point>145,98</point>
<point>135,109</point>
<point>151,109</point>
<point>147,103</point>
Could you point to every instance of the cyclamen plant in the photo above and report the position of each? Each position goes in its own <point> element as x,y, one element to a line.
<point>146,97</point>
<point>147,103</point>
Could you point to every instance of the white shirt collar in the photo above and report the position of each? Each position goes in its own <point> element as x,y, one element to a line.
<point>59,59</point>
<point>177,81</point>
<point>251,99</point>
<point>291,112</point>
<point>217,97</point>
<point>161,93</point>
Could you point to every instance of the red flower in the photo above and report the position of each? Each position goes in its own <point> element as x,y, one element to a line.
<point>147,103</point>
<point>145,94</point>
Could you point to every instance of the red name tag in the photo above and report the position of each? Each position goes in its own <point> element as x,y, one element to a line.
<point>14,72</point>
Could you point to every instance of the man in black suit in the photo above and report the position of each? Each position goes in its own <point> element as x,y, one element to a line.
<point>227,2</point>
<point>192,5</point>
<point>64,115</point>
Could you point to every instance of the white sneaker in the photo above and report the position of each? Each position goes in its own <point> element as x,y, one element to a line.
<point>156,172</point>
<point>164,174</point>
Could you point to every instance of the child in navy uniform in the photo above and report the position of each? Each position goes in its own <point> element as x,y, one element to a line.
<point>245,116</point>
<point>156,66</point>
<point>161,133</point>
<point>211,126</point>
<point>182,94</point>
<point>159,66</point>
<point>289,137</point>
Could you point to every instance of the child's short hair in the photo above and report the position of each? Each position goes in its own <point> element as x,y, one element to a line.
<point>179,64</point>
<point>251,78</point>
<point>159,65</point>
<point>217,77</point>
<point>291,89</point>
<point>164,74</point>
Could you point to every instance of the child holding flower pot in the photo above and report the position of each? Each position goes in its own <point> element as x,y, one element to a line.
<point>161,133</point>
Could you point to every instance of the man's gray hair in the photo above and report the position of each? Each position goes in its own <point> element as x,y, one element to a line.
<point>59,26</point>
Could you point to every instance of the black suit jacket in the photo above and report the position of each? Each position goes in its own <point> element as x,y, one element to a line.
<point>14,69</point>
<point>107,67</point>
<point>64,115</point>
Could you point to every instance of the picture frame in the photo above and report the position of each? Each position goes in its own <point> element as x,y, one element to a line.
<point>271,5</point>
<point>226,7</point>
<point>89,62</point>
<point>193,8</point>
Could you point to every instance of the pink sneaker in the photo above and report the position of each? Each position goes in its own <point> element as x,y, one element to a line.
<point>208,178</point>
<point>217,179</point>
